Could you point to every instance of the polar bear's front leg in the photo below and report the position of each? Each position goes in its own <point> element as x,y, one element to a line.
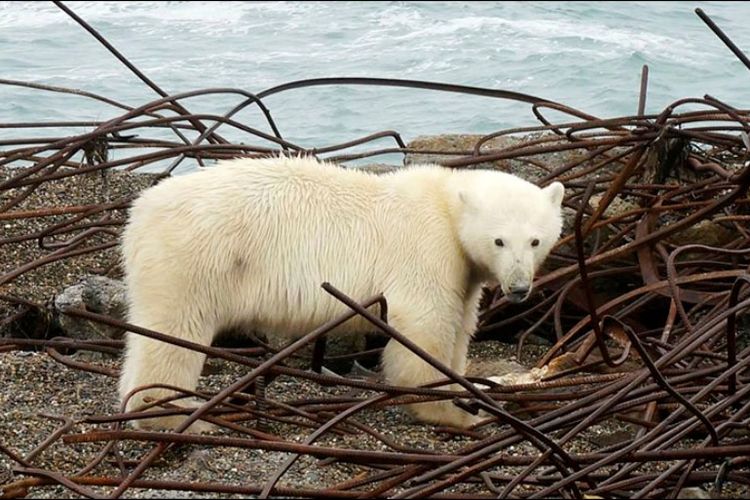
<point>459,362</point>
<point>468,327</point>
<point>149,361</point>
<point>446,342</point>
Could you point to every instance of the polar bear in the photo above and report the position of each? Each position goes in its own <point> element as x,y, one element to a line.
<point>247,243</point>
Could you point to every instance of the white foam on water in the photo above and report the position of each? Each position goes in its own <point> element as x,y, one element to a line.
<point>539,36</point>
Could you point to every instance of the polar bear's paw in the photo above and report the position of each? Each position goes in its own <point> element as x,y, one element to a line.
<point>172,422</point>
<point>444,413</point>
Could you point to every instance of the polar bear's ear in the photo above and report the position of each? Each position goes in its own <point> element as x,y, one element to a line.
<point>556,192</point>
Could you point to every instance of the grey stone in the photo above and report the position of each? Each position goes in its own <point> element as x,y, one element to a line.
<point>705,232</point>
<point>457,143</point>
<point>377,168</point>
<point>694,493</point>
<point>97,294</point>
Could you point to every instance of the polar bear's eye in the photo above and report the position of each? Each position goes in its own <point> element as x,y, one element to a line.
<point>535,242</point>
<point>499,242</point>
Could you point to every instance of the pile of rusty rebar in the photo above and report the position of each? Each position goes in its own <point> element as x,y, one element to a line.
<point>643,300</point>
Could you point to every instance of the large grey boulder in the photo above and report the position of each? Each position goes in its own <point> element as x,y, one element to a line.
<point>96,294</point>
<point>433,145</point>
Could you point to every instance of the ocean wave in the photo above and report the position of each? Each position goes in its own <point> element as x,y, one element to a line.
<point>586,54</point>
<point>543,36</point>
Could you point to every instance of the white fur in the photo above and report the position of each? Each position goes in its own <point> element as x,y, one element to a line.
<point>248,243</point>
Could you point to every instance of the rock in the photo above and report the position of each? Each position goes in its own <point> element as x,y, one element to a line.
<point>705,232</point>
<point>609,435</point>
<point>694,493</point>
<point>618,205</point>
<point>376,168</point>
<point>97,294</point>
<point>569,219</point>
<point>463,143</point>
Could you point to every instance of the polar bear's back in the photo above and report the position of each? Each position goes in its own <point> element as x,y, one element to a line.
<point>256,238</point>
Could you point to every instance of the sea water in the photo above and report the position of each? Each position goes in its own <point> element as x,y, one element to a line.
<point>587,55</point>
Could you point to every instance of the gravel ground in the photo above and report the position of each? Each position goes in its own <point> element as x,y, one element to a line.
<point>34,385</point>
<point>41,284</point>
<point>36,388</point>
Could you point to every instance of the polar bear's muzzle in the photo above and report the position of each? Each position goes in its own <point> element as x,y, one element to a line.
<point>518,293</point>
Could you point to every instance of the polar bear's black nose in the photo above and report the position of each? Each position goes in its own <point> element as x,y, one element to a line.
<point>518,293</point>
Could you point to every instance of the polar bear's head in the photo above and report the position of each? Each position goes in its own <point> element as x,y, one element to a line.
<point>507,227</point>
